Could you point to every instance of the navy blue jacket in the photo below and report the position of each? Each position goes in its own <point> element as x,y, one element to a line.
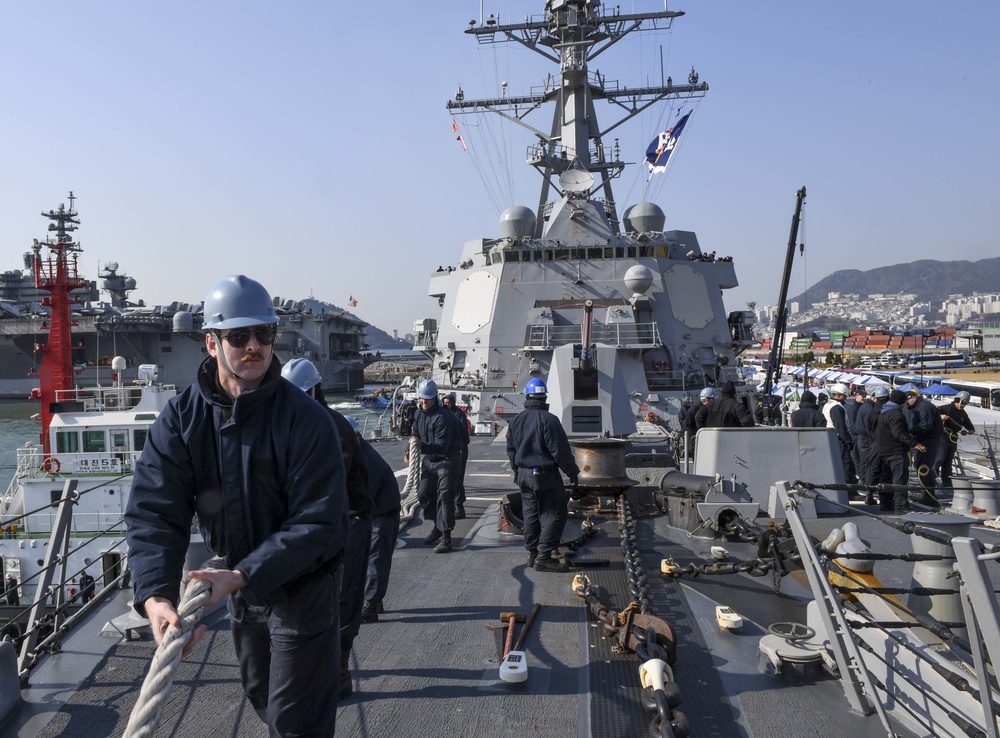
<point>924,421</point>
<point>863,422</point>
<point>269,495</point>
<point>536,440</point>
<point>890,432</point>
<point>852,406</point>
<point>438,432</point>
<point>808,416</point>
<point>958,420</point>
<point>383,486</point>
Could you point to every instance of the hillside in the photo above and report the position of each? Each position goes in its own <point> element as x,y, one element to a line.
<point>931,281</point>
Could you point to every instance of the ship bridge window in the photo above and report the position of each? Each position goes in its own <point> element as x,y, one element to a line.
<point>537,255</point>
<point>562,254</point>
<point>663,251</point>
<point>597,253</point>
<point>549,255</point>
<point>512,255</point>
<point>139,438</point>
<point>619,252</point>
<point>67,442</point>
<point>645,250</point>
<point>94,442</point>
<point>631,252</point>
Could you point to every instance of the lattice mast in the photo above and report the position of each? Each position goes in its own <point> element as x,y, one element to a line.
<point>57,274</point>
<point>572,33</point>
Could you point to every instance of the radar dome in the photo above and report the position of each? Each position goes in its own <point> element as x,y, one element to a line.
<point>517,222</point>
<point>129,283</point>
<point>647,217</point>
<point>183,322</point>
<point>627,219</point>
<point>118,364</point>
<point>639,278</point>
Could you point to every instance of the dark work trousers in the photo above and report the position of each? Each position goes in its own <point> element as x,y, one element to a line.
<point>352,591</point>
<point>286,654</point>
<point>460,478</point>
<point>437,490</point>
<point>385,529</point>
<point>923,462</point>
<point>946,459</point>
<point>894,469</point>
<point>869,460</point>
<point>544,507</point>
<point>847,458</point>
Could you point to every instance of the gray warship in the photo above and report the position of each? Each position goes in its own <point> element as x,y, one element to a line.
<point>622,316</point>
<point>166,335</point>
<point>658,630</point>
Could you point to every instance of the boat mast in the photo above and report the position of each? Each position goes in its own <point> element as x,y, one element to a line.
<point>57,274</point>
<point>571,34</point>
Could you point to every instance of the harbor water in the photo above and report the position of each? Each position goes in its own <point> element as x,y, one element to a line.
<point>17,427</point>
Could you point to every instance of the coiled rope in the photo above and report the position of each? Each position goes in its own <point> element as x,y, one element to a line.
<point>156,686</point>
<point>412,487</point>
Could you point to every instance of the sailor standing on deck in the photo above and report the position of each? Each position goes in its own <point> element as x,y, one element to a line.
<point>956,422</point>
<point>450,402</point>
<point>440,457</point>
<point>384,490</point>
<point>250,455</point>
<point>304,375</point>
<point>924,422</point>
<point>538,448</point>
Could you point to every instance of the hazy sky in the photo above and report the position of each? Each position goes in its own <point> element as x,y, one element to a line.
<point>307,144</point>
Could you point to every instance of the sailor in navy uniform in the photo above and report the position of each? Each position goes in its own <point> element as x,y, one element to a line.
<point>538,448</point>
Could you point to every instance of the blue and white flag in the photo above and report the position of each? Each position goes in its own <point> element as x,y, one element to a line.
<point>658,152</point>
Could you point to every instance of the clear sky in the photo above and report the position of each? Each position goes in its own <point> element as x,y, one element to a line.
<point>307,143</point>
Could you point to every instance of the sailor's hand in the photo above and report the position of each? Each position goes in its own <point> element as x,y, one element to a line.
<point>406,457</point>
<point>921,448</point>
<point>162,615</point>
<point>965,433</point>
<point>513,475</point>
<point>223,581</point>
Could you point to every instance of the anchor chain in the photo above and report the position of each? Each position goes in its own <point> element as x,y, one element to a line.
<point>635,629</point>
<point>156,686</point>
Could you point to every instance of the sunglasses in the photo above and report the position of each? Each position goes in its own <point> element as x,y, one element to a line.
<point>240,337</point>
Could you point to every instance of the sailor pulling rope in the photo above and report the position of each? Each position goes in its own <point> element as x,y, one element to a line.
<point>156,686</point>
<point>412,486</point>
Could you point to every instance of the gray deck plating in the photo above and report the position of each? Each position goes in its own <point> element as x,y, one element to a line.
<point>429,666</point>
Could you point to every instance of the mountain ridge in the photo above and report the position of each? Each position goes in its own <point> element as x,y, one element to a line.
<point>930,280</point>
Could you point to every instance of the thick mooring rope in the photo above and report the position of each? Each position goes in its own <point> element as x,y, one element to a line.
<point>412,486</point>
<point>156,686</point>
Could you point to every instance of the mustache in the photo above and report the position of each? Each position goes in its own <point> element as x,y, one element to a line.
<point>252,355</point>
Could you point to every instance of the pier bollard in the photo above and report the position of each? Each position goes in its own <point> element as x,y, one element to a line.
<point>937,574</point>
<point>961,501</point>
<point>984,495</point>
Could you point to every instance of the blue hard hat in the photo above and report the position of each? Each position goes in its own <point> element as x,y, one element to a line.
<point>707,392</point>
<point>237,301</point>
<point>427,390</point>
<point>302,373</point>
<point>880,392</point>
<point>535,387</point>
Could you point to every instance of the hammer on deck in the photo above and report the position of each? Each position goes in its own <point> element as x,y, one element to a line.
<point>510,618</point>
<point>514,667</point>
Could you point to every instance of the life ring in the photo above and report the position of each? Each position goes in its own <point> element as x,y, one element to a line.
<point>50,465</point>
<point>661,367</point>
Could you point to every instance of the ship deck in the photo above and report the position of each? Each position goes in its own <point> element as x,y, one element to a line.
<point>429,666</point>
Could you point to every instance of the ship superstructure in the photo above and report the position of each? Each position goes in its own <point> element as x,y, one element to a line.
<point>166,335</point>
<point>619,315</point>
